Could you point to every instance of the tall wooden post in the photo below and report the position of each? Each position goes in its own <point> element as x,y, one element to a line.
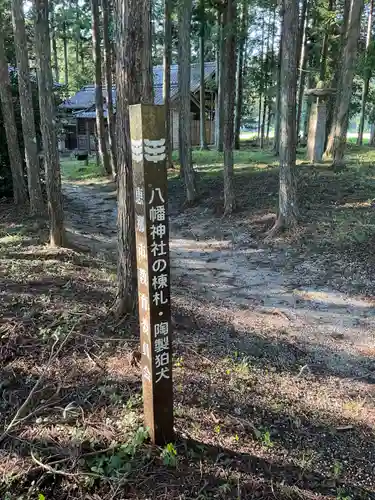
<point>147,133</point>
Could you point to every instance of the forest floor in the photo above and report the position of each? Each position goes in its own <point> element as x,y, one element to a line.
<point>274,354</point>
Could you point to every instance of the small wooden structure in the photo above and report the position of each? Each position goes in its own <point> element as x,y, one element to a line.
<point>78,113</point>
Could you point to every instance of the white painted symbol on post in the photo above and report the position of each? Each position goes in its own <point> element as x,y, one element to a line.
<point>137,150</point>
<point>154,151</point>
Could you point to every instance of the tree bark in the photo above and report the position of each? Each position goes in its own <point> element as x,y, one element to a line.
<point>302,61</point>
<point>220,137</point>
<point>48,123</point>
<point>185,10</point>
<point>66,64</point>
<point>323,62</point>
<point>217,80</point>
<point>54,44</point>
<point>109,85</point>
<point>272,81</point>
<point>97,57</point>
<point>261,79</point>
<point>301,30</point>
<point>131,43</point>
<point>16,167</point>
<point>229,101</point>
<point>239,79</point>
<point>202,110</point>
<point>77,30</point>
<point>337,138</point>
<point>276,144</point>
<point>367,77</point>
<point>288,213</point>
<point>372,135</point>
<point>167,61</point>
<point>332,107</point>
<point>27,111</point>
<point>265,89</point>
<point>147,68</point>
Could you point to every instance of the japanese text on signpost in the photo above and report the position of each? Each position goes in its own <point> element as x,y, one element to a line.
<point>147,127</point>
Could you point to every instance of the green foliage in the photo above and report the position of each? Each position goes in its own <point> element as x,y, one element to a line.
<point>120,461</point>
<point>337,469</point>
<point>71,25</point>
<point>134,402</point>
<point>77,170</point>
<point>266,439</point>
<point>341,495</point>
<point>169,455</point>
<point>225,488</point>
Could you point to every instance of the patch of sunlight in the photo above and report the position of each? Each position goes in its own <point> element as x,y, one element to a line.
<point>333,298</point>
<point>11,238</point>
<point>357,204</point>
<point>209,168</point>
<point>193,245</point>
<point>78,170</point>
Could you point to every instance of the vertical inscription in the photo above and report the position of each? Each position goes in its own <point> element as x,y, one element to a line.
<point>147,129</point>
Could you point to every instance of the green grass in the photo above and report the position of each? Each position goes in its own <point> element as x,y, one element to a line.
<point>74,170</point>
<point>342,201</point>
<point>212,157</point>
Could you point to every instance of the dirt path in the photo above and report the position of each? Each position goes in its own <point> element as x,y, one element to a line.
<point>219,265</point>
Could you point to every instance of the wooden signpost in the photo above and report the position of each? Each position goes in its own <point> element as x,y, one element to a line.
<point>147,133</point>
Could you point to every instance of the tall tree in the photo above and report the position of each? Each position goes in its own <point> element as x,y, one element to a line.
<point>287,213</point>
<point>217,80</point>
<point>147,68</point>
<point>242,36</point>
<point>301,61</point>
<point>272,75</point>
<point>229,98</point>
<point>97,56</point>
<point>276,144</point>
<point>301,29</point>
<point>77,31</point>
<point>167,61</point>
<point>220,96</point>
<point>109,85</point>
<point>202,32</point>
<point>185,11</point>
<point>341,11</point>
<point>6,97</point>
<point>27,110</point>
<point>133,55</point>
<point>367,75</point>
<point>54,43</point>
<point>65,45</point>
<point>337,138</point>
<point>266,83</point>
<point>48,123</point>
<point>261,76</point>
<point>326,39</point>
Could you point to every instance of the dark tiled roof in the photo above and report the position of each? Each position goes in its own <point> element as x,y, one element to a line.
<point>85,97</point>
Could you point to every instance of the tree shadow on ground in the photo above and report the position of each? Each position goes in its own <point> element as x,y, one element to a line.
<point>63,255</point>
<point>293,455</point>
<point>234,440</point>
<point>203,471</point>
<point>259,413</point>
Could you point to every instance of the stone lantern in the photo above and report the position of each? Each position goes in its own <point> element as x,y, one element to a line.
<point>317,123</point>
